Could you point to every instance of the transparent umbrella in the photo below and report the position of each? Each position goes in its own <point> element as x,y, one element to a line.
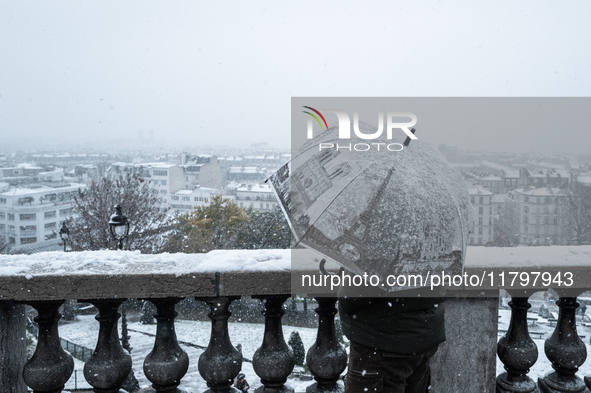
<point>377,211</point>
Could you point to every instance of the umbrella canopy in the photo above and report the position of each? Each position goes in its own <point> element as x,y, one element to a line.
<point>377,211</point>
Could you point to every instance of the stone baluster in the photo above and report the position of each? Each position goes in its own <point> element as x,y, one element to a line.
<point>588,382</point>
<point>13,348</point>
<point>221,362</point>
<point>517,350</point>
<point>50,367</point>
<point>274,360</point>
<point>167,363</point>
<point>565,350</point>
<point>327,358</point>
<point>110,364</point>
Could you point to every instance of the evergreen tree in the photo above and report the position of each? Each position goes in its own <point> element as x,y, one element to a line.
<point>31,344</point>
<point>147,315</point>
<point>296,343</point>
<point>69,310</point>
<point>266,229</point>
<point>222,225</point>
<point>338,327</point>
<point>217,226</point>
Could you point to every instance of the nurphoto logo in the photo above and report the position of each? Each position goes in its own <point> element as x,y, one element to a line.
<point>344,131</point>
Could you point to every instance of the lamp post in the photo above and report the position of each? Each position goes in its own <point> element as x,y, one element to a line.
<point>64,234</point>
<point>69,314</point>
<point>119,226</point>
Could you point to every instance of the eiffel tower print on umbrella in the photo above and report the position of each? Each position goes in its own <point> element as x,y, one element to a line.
<point>377,212</point>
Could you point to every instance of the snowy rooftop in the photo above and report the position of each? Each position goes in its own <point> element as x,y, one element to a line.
<point>245,169</point>
<point>42,188</point>
<point>491,178</point>
<point>514,173</point>
<point>255,188</point>
<point>147,165</point>
<point>494,165</point>
<point>28,166</point>
<point>499,198</point>
<point>543,191</point>
<point>479,191</point>
<point>459,165</point>
<point>21,166</point>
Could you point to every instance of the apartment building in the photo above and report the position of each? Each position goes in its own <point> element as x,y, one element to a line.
<point>256,196</point>
<point>540,215</point>
<point>33,213</point>
<point>203,171</point>
<point>166,178</point>
<point>21,170</point>
<point>182,201</point>
<point>482,202</point>
<point>246,173</point>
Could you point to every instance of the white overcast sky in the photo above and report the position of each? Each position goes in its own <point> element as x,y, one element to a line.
<point>224,72</point>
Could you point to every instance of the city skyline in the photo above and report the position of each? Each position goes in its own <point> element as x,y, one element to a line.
<point>197,73</point>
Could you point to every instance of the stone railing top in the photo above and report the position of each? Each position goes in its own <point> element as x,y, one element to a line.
<point>133,262</point>
<point>566,269</point>
<point>528,257</point>
<point>112,274</point>
<point>126,274</point>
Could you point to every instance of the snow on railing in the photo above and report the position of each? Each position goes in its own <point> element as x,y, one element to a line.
<point>107,278</point>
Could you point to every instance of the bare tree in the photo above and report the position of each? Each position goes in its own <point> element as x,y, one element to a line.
<point>94,206</point>
<point>4,247</point>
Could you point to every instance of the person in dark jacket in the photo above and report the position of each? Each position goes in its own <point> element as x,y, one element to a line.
<point>392,340</point>
<point>241,383</point>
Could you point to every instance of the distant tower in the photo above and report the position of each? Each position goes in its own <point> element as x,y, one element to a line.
<point>523,177</point>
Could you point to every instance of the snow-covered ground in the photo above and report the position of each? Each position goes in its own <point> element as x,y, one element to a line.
<point>545,330</point>
<point>85,332</point>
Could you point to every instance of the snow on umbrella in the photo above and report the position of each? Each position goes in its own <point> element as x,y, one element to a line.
<point>377,212</point>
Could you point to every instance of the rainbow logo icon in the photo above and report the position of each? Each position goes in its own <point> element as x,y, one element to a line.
<point>314,116</point>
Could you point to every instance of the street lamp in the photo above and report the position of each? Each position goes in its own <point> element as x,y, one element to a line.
<point>119,226</point>
<point>68,309</point>
<point>64,234</point>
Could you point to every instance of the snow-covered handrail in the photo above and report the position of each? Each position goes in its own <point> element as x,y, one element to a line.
<point>126,274</point>
<point>106,278</point>
<point>117,274</point>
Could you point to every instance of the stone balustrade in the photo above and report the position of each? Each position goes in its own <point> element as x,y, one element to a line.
<point>466,362</point>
